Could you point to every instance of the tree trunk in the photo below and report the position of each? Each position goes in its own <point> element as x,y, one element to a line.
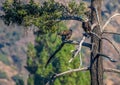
<point>96,67</point>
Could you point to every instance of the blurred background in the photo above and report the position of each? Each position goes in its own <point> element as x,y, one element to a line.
<point>14,41</point>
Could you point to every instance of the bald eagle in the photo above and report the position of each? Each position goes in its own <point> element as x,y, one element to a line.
<point>65,34</point>
<point>86,25</point>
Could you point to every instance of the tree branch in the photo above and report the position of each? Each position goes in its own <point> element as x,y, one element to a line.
<point>56,51</point>
<point>75,52</point>
<point>67,42</point>
<point>112,60</point>
<point>112,45</point>
<point>66,72</point>
<point>77,43</point>
<point>68,17</point>
<point>108,21</point>
<point>87,44</point>
<point>71,42</point>
<point>71,71</point>
<point>111,70</point>
<point>95,35</point>
<point>93,26</point>
<point>111,33</point>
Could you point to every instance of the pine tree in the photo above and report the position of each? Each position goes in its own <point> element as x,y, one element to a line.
<point>47,18</point>
<point>47,44</point>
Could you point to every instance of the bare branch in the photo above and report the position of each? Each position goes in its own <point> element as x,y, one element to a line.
<point>108,21</point>
<point>105,32</point>
<point>111,70</point>
<point>103,55</point>
<point>95,35</point>
<point>71,42</point>
<point>71,71</point>
<point>112,45</point>
<point>77,43</point>
<point>75,53</point>
<point>93,26</point>
<point>81,62</point>
<point>67,72</point>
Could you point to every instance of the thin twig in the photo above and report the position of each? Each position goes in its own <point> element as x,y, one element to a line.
<point>108,21</point>
<point>112,45</point>
<point>105,32</point>
<point>103,55</point>
<point>80,60</point>
<point>111,70</point>
<point>75,53</point>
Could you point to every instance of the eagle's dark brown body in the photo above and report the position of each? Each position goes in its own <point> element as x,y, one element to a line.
<point>66,34</point>
<point>86,26</point>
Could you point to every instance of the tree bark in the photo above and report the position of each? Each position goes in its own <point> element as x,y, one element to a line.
<point>96,67</point>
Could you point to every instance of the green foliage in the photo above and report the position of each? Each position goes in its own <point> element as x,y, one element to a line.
<point>46,17</point>
<point>31,61</point>
<point>31,52</point>
<point>3,75</point>
<point>12,11</point>
<point>18,80</point>
<point>78,9</point>
<point>30,81</point>
<point>47,45</point>
<point>4,59</point>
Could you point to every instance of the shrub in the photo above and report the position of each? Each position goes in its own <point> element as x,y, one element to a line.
<point>18,80</point>
<point>3,75</point>
<point>4,59</point>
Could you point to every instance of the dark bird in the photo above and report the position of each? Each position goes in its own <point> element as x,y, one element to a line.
<point>86,25</point>
<point>65,34</point>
